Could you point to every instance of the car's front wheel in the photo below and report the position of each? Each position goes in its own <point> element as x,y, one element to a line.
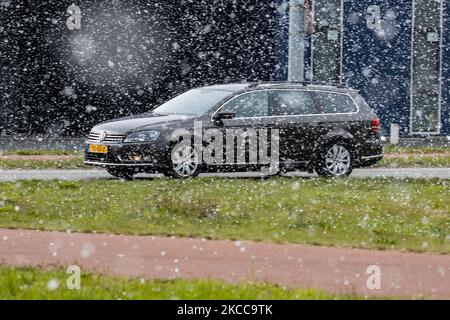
<point>184,162</point>
<point>335,160</point>
<point>121,173</point>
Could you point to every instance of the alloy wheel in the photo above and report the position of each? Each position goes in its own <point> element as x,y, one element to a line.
<point>185,161</point>
<point>338,160</point>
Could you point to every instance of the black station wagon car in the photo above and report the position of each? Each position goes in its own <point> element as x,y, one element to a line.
<point>276,126</point>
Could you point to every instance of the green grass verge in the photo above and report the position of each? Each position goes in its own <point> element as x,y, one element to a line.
<point>75,163</point>
<point>416,161</point>
<point>33,283</point>
<point>72,163</point>
<point>373,213</point>
<point>433,157</point>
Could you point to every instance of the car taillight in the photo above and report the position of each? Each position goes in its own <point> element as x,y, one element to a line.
<point>376,125</point>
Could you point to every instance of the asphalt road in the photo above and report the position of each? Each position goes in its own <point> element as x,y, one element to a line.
<point>339,270</point>
<point>415,173</point>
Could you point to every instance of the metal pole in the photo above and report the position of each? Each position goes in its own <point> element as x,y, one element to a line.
<point>297,26</point>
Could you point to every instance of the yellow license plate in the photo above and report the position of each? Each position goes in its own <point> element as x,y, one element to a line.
<point>96,148</point>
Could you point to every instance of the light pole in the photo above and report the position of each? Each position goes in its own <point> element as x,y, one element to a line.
<point>297,31</point>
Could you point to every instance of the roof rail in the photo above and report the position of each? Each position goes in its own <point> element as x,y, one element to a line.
<point>304,83</point>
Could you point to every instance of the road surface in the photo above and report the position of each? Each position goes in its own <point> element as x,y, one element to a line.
<point>335,270</point>
<point>11,175</point>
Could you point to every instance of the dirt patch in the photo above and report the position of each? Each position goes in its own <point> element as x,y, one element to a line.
<point>416,155</point>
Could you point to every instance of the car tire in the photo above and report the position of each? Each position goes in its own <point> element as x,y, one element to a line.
<point>121,173</point>
<point>335,160</point>
<point>184,162</point>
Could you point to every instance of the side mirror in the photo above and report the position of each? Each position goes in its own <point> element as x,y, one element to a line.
<point>219,117</point>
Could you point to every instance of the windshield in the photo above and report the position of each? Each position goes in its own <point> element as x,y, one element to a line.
<point>194,102</point>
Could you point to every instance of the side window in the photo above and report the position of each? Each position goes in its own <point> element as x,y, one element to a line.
<point>253,104</point>
<point>290,103</point>
<point>336,103</point>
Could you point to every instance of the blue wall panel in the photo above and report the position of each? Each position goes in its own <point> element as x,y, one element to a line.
<point>445,108</point>
<point>378,62</point>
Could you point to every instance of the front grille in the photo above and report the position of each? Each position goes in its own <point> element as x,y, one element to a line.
<point>100,158</point>
<point>110,138</point>
<point>95,157</point>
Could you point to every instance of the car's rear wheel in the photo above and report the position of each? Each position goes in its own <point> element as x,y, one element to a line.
<point>121,173</point>
<point>335,160</point>
<point>184,162</point>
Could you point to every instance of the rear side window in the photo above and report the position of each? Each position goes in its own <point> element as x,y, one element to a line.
<point>336,103</point>
<point>292,103</point>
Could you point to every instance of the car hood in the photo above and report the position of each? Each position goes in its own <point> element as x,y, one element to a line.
<point>139,122</point>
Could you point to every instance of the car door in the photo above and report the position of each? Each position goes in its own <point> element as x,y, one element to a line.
<point>294,111</point>
<point>243,134</point>
<point>338,112</point>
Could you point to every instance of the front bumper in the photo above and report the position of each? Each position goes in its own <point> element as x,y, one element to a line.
<point>151,156</point>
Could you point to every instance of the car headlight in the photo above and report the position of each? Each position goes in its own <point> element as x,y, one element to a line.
<point>142,136</point>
